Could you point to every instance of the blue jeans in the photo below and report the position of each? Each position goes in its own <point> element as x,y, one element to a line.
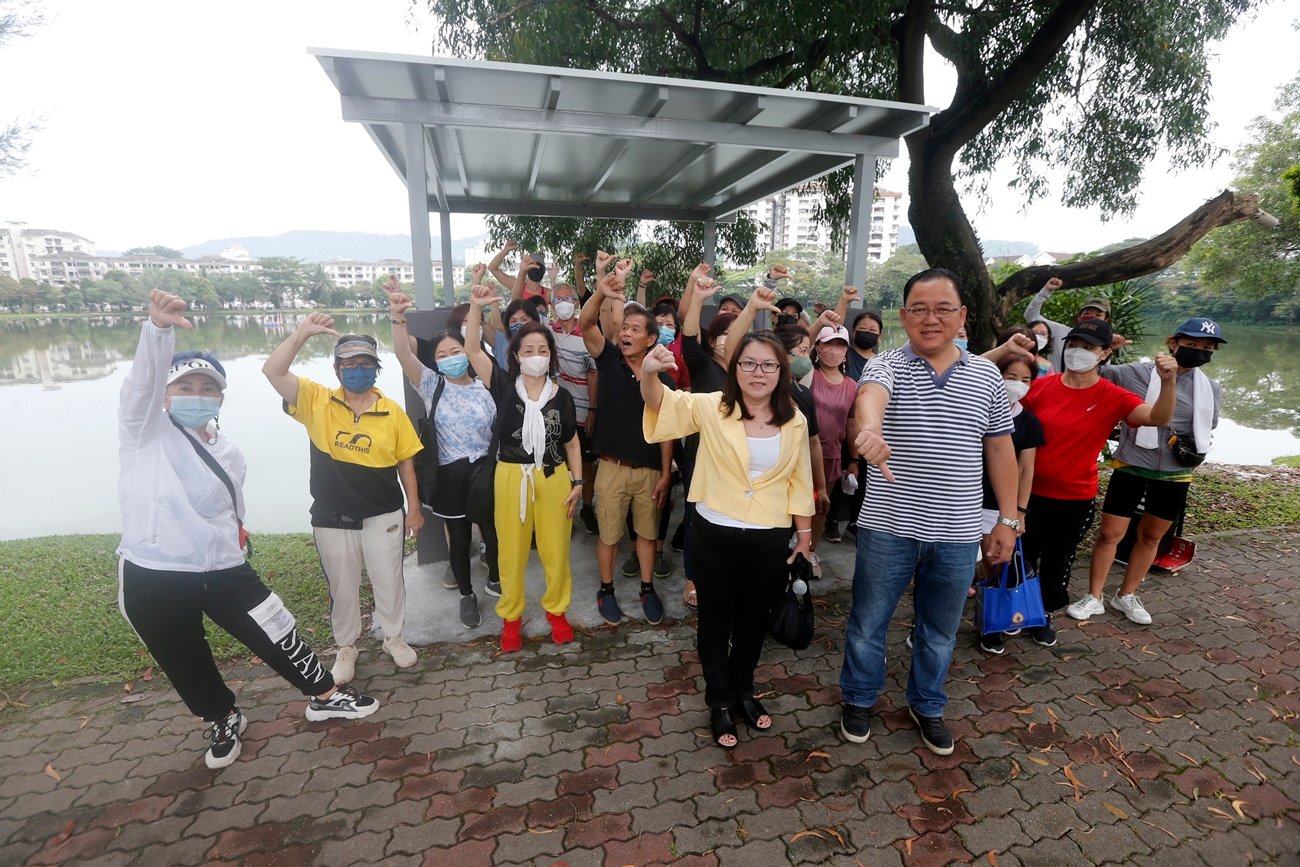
<point>885,565</point>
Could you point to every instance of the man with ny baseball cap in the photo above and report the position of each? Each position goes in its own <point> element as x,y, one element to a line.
<point>1095,308</point>
<point>363,484</point>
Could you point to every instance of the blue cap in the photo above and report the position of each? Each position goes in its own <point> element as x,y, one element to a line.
<point>1200,328</point>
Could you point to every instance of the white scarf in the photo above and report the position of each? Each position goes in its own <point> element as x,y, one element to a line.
<point>1202,412</point>
<point>532,438</point>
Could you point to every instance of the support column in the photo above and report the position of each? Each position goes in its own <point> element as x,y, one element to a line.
<point>417,196</point>
<point>864,183</point>
<point>710,241</point>
<point>448,281</point>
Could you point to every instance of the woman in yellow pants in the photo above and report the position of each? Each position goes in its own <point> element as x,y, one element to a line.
<point>537,444</point>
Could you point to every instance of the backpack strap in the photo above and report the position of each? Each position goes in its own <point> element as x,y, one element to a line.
<point>207,458</point>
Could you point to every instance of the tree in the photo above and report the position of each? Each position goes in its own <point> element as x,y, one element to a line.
<point>1090,87</point>
<point>1246,259</point>
<point>281,276</point>
<point>16,19</point>
<point>156,250</point>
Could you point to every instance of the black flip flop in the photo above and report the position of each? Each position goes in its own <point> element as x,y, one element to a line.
<point>750,710</point>
<point>721,723</point>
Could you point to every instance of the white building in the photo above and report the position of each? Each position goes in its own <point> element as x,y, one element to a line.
<point>20,245</point>
<point>351,272</point>
<point>789,218</point>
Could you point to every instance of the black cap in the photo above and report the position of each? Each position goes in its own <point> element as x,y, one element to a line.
<point>739,302</point>
<point>786,302</point>
<point>1095,331</point>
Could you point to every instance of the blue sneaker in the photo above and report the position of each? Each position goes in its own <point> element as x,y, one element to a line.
<point>651,604</point>
<point>608,605</point>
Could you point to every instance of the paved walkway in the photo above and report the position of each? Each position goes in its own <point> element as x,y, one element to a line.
<point>1178,744</point>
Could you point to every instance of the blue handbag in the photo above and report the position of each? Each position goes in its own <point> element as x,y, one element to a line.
<point>1015,601</point>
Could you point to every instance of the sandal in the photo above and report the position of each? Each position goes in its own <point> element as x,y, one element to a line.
<point>751,712</point>
<point>722,725</point>
<point>689,598</point>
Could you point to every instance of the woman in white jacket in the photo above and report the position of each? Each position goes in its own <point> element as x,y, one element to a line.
<point>182,555</point>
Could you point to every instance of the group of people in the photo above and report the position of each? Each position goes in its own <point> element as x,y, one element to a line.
<point>938,458</point>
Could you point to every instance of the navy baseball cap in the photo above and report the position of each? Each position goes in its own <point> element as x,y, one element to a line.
<point>1095,331</point>
<point>185,363</point>
<point>1201,328</point>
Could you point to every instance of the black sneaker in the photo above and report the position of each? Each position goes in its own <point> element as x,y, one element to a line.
<point>607,603</point>
<point>678,541</point>
<point>632,566</point>
<point>993,643</point>
<point>345,703</point>
<point>469,614</point>
<point>224,736</point>
<point>851,529</point>
<point>933,732</point>
<point>832,532</point>
<point>587,517</point>
<point>651,604</point>
<point>661,569</point>
<point>855,723</point>
<point>1045,635</point>
<point>492,587</point>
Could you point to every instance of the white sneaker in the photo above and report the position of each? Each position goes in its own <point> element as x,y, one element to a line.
<point>400,651</point>
<point>1132,607</point>
<point>815,562</point>
<point>345,665</point>
<point>1087,606</point>
<point>224,735</point>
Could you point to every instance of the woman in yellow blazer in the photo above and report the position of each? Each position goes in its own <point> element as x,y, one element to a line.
<point>752,479</point>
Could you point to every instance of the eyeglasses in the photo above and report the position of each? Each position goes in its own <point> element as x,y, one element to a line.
<point>353,365</point>
<point>749,366</point>
<point>920,312</point>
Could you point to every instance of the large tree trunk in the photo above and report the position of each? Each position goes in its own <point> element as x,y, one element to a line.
<point>1150,256</point>
<point>946,237</point>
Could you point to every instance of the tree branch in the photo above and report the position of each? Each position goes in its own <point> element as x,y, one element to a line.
<point>964,118</point>
<point>1154,254</point>
<point>911,51</point>
<point>704,71</point>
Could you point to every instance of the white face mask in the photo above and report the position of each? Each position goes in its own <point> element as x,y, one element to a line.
<point>1041,340</point>
<point>564,310</point>
<point>535,365</point>
<point>1080,360</point>
<point>1016,390</point>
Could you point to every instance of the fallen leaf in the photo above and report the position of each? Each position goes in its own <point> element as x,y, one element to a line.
<point>1255,771</point>
<point>1216,811</point>
<point>128,686</point>
<point>1052,714</point>
<point>1038,760</point>
<point>51,773</point>
<point>906,843</point>
<point>65,833</point>
<point>131,699</point>
<point>835,834</point>
<point>84,720</point>
<point>1235,617</point>
<point>993,858</point>
<point>1236,808</point>
<point>542,830</point>
<point>1022,711</point>
<point>1114,811</point>
<point>1189,758</point>
<point>818,754</point>
<point>808,833</point>
<point>1172,835</point>
<point>956,792</point>
<point>1150,719</point>
<point>930,799</point>
<point>619,699</point>
<point>1074,781</point>
<point>1085,701</point>
<point>838,807</point>
<point>147,674</point>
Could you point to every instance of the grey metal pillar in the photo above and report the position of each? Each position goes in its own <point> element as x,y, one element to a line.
<point>864,183</point>
<point>710,241</point>
<point>448,282</point>
<point>417,196</point>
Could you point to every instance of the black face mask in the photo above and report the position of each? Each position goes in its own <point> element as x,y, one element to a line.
<point>1187,357</point>
<point>786,319</point>
<point>536,274</point>
<point>865,339</point>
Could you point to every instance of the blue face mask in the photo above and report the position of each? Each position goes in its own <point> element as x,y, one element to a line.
<point>454,365</point>
<point>666,334</point>
<point>515,326</point>
<point>358,379</point>
<point>960,342</point>
<point>194,411</point>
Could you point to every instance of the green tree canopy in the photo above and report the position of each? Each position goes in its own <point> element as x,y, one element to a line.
<point>156,250</point>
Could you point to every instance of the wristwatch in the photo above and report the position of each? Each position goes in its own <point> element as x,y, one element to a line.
<point>1013,523</point>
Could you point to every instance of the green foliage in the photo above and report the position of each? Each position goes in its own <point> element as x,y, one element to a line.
<point>1246,258</point>
<point>156,250</point>
<point>1287,461</point>
<point>1128,301</point>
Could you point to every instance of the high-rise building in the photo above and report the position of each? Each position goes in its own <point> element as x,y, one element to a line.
<point>789,222</point>
<point>19,246</point>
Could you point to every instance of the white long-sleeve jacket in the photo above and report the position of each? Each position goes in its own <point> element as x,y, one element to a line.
<point>176,514</point>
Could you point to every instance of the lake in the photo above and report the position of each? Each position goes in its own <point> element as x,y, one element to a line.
<point>61,378</point>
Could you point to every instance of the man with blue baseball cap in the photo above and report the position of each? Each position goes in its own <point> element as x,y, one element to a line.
<point>1154,466</point>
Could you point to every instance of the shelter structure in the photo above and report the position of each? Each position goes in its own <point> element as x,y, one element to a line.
<point>469,136</point>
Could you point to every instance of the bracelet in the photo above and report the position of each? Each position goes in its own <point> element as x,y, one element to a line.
<point>401,321</point>
<point>1022,510</point>
<point>804,531</point>
<point>575,482</point>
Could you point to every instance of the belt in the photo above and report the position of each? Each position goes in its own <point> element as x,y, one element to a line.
<point>623,463</point>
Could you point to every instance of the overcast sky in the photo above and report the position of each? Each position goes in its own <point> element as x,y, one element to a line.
<point>175,123</point>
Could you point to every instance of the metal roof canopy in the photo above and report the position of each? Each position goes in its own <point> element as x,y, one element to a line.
<point>477,137</point>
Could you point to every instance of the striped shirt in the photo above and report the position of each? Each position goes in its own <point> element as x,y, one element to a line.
<point>935,426</point>
<point>575,363</point>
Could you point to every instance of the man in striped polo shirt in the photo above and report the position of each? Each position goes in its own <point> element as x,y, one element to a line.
<point>931,416</point>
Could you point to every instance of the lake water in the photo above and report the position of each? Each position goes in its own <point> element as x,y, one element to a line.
<point>61,377</point>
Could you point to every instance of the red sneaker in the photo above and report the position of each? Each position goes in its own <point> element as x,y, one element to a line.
<point>512,638</point>
<point>561,631</point>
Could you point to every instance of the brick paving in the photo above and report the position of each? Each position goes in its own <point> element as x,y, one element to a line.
<point>1177,744</point>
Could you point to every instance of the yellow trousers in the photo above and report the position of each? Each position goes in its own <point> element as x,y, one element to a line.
<point>544,512</point>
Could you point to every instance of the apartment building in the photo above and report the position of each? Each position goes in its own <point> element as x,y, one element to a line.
<point>789,222</point>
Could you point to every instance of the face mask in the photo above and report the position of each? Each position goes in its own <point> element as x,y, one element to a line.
<point>535,365</point>
<point>865,339</point>
<point>1187,357</point>
<point>358,379</point>
<point>720,346</point>
<point>786,319</point>
<point>515,326</point>
<point>1041,340</point>
<point>800,366</point>
<point>536,274</point>
<point>194,411</point>
<point>960,343</point>
<point>1080,360</point>
<point>666,334</point>
<point>564,310</point>
<point>454,365</point>
<point>1016,390</point>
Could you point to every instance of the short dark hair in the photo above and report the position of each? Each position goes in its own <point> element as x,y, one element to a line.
<point>1007,360</point>
<point>791,336</point>
<point>530,310</point>
<point>782,399</point>
<point>930,275</point>
<point>873,315</point>
<point>651,324</point>
<point>717,327</point>
<point>665,309</point>
<point>1030,328</point>
<point>512,353</point>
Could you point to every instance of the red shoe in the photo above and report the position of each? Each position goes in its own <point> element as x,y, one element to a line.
<point>561,631</point>
<point>512,638</point>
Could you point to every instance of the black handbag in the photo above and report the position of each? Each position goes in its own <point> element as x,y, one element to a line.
<point>1184,446</point>
<point>792,620</point>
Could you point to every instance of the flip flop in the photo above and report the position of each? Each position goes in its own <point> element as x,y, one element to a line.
<point>689,599</point>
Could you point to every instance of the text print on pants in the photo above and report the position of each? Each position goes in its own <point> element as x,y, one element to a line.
<point>276,620</point>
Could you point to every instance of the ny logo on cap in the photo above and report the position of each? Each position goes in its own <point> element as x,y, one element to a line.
<point>1208,327</point>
